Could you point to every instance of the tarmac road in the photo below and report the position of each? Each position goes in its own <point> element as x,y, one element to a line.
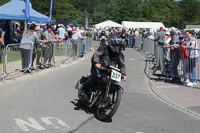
<point>46,103</point>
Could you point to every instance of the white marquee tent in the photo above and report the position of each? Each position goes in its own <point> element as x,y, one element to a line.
<point>143,25</point>
<point>107,23</point>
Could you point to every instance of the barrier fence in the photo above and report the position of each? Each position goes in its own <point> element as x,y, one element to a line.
<point>27,57</point>
<point>1,63</point>
<point>175,62</point>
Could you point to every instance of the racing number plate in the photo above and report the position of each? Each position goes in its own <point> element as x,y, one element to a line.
<point>115,75</point>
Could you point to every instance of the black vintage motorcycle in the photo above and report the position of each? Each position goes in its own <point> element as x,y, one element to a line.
<point>105,95</point>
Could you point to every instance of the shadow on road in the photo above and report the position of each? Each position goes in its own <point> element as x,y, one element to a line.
<point>88,110</point>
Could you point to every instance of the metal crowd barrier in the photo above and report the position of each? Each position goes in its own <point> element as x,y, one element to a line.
<point>183,64</point>
<point>41,55</point>
<point>171,62</point>
<point>1,64</point>
<point>13,59</point>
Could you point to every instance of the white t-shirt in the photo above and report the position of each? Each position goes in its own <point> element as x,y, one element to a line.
<point>193,53</point>
<point>77,35</point>
<point>61,33</point>
<point>137,33</point>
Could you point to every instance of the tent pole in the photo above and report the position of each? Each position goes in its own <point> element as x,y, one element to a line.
<point>25,24</point>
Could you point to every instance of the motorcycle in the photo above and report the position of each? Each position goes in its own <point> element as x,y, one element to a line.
<point>103,40</point>
<point>105,95</point>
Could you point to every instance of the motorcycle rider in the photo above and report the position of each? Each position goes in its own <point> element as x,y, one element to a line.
<point>103,33</point>
<point>105,55</point>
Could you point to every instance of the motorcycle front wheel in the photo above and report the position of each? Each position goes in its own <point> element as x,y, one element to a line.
<point>108,108</point>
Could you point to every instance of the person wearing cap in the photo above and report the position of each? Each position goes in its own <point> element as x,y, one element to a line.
<point>61,32</point>
<point>174,56</point>
<point>47,48</point>
<point>167,40</point>
<point>160,37</point>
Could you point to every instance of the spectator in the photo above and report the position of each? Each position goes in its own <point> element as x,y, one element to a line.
<point>167,50</point>
<point>75,38</point>
<point>88,33</point>
<point>151,37</point>
<point>95,34</point>
<point>131,36</point>
<point>16,36</point>
<point>160,37</point>
<point>61,33</point>
<point>184,59</point>
<point>174,56</point>
<point>192,46</point>
<point>145,34</point>
<point>38,51</point>
<point>137,33</point>
<point>47,48</point>
<point>69,33</point>
<point>2,33</point>
<point>29,37</point>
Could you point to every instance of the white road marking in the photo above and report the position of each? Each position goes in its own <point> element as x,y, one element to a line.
<point>131,59</point>
<point>47,121</point>
<point>139,132</point>
<point>32,123</point>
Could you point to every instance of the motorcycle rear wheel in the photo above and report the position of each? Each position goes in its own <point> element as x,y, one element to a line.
<point>115,99</point>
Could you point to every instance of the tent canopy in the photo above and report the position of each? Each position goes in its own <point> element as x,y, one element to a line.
<point>15,10</point>
<point>108,23</point>
<point>143,25</point>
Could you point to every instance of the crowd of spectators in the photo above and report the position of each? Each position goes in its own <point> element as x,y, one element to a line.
<point>179,47</point>
<point>41,38</point>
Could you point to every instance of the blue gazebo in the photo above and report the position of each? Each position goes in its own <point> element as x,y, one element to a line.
<point>15,10</point>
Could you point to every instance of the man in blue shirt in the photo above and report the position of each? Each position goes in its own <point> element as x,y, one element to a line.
<point>174,56</point>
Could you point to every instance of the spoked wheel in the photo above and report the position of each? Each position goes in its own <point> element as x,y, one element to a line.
<point>108,108</point>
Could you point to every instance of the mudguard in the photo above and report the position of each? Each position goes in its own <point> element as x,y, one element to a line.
<point>117,86</point>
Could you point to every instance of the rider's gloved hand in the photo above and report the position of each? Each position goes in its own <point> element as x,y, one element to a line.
<point>98,66</point>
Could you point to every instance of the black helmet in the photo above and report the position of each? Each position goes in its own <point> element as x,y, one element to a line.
<point>115,42</point>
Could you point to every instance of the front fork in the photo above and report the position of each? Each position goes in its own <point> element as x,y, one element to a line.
<point>107,90</point>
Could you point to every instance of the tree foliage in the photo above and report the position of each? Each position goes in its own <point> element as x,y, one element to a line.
<point>169,12</point>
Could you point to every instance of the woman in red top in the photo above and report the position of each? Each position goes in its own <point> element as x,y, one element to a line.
<point>184,58</point>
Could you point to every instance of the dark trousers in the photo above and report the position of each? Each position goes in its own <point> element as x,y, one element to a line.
<point>91,79</point>
<point>26,55</point>
<point>175,59</point>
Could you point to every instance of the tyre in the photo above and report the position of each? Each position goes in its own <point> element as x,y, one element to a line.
<point>106,110</point>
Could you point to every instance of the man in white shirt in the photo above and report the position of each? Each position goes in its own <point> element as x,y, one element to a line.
<point>75,38</point>
<point>61,32</point>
